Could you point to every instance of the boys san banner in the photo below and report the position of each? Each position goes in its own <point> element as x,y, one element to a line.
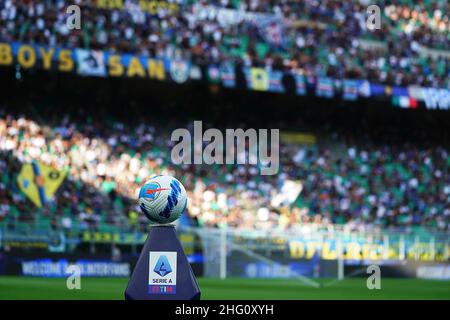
<point>95,63</point>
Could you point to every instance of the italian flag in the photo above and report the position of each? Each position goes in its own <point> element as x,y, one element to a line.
<point>404,102</point>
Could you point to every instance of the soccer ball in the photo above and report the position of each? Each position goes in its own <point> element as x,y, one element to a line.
<point>162,199</point>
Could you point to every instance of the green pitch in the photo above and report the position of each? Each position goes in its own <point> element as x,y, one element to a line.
<point>113,288</point>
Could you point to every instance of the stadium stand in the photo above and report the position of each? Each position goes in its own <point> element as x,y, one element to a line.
<point>326,38</point>
<point>348,178</point>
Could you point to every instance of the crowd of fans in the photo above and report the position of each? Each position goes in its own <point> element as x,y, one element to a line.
<point>107,160</point>
<point>318,38</point>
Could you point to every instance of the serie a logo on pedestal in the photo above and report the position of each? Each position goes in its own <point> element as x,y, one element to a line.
<point>162,278</point>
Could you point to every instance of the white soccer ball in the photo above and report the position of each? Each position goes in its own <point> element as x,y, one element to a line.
<point>162,199</point>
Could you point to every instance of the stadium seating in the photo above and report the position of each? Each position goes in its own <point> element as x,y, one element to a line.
<point>359,184</point>
<point>326,38</point>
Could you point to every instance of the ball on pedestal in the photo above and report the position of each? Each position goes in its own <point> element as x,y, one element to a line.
<point>162,199</point>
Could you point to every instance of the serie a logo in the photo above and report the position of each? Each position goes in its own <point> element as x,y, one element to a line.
<point>162,273</point>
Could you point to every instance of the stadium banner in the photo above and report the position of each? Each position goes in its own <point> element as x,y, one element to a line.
<point>325,87</point>
<point>435,272</point>
<point>107,64</point>
<point>436,98</point>
<point>130,66</point>
<point>404,102</point>
<point>289,192</point>
<point>138,238</point>
<point>90,63</point>
<point>48,264</point>
<point>55,241</point>
<point>278,270</point>
<point>96,63</point>
<point>275,81</point>
<point>224,16</point>
<point>180,71</point>
<point>350,90</point>
<point>39,57</point>
<point>151,7</point>
<point>88,268</point>
<point>364,89</point>
<point>260,79</point>
<point>355,251</point>
<point>39,182</point>
<point>378,90</point>
<point>257,79</point>
<point>227,75</point>
<point>271,30</point>
<point>300,84</point>
<point>51,241</point>
<point>241,264</point>
<point>126,238</point>
<point>298,138</point>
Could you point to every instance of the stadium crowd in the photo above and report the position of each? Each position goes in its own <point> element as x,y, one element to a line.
<point>107,160</point>
<point>317,38</point>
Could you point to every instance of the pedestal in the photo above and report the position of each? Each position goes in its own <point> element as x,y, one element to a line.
<point>162,271</point>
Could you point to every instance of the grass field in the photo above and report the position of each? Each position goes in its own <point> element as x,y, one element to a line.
<point>113,288</point>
